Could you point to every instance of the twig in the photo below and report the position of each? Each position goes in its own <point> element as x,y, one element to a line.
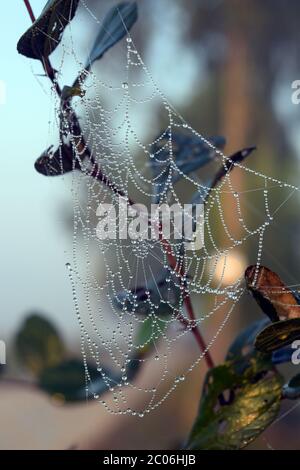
<point>100,176</point>
<point>30,11</point>
<point>189,307</point>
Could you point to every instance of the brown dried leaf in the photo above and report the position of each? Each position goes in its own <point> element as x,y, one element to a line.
<point>274,298</point>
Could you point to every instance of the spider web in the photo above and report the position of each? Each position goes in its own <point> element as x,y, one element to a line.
<point>136,287</point>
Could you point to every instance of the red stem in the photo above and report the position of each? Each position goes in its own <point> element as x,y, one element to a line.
<point>197,334</point>
<point>189,307</point>
<point>30,11</point>
<point>97,173</point>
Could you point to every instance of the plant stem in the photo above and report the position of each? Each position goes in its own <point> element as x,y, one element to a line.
<point>100,176</point>
<point>196,332</point>
<point>50,72</point>
<point>30,11</point>
<point>189,307</point>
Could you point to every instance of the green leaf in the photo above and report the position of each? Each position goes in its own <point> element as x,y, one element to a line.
<point>38,344</point>
<point>116,24</point>
<point>239,401</point>
<point>278,335</point>
<point>66,382</point>
<point>42,38</point>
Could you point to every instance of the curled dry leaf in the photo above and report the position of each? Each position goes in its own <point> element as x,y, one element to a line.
<point>274,298</point>
<point>277,335</point>
<point>42,38</point>
<point>57,162</point>
<point>244,345</point>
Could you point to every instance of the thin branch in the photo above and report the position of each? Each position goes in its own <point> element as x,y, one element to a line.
<point>197,334</point>
<point>30,11</point>
<point>189,307</point>
<point>100,176</point>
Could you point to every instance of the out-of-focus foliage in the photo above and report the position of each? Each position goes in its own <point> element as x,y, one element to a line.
<point>118,21</point>
<point>189,154</point>
<point>41,351</point>
<point>38,344</point>
<point>68,381</point>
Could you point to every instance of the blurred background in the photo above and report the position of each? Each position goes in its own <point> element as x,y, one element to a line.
<point>227,67</point>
